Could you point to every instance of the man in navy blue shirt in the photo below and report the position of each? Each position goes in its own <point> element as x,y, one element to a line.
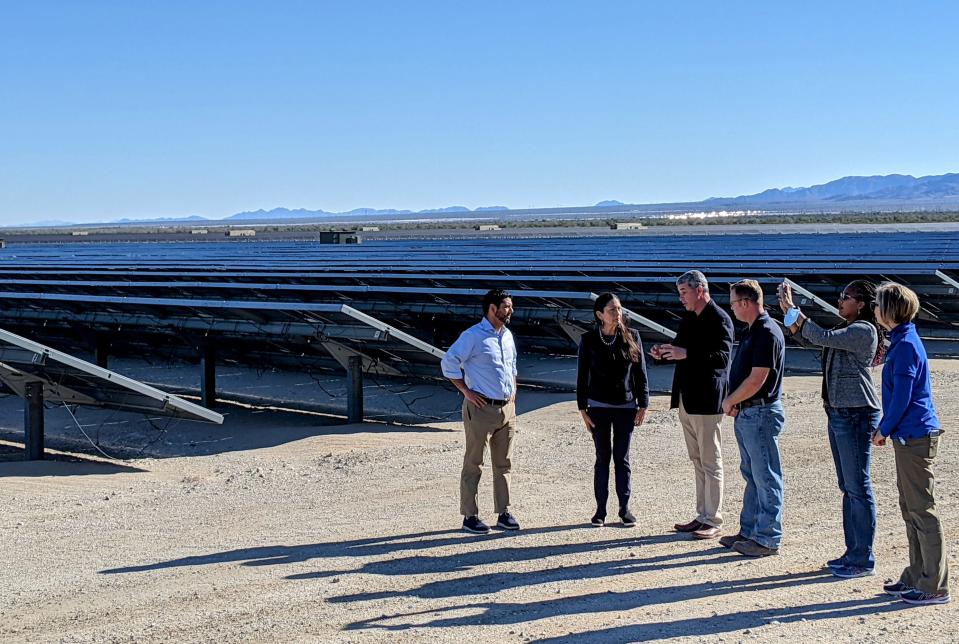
<point>755,384</point>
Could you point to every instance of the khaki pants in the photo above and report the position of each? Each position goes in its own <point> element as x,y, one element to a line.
<point>927,570</point>
<point>495,426</point>
<point>704,446</point>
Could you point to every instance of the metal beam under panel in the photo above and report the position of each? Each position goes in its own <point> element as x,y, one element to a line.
<point>948,280</point>
<point>62,367</point>
<point>812,296</point>
<point>393,331</point>
<point>389,331</point>
<point>342,354</point>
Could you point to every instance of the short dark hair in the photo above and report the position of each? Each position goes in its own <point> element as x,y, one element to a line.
<point>494,296</point>
<point>693,279</point>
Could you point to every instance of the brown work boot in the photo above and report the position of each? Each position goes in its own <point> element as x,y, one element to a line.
<point>730,540</point>
<point>750,548</point>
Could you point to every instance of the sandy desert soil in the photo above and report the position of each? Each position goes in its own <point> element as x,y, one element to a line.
<point>350,534</point>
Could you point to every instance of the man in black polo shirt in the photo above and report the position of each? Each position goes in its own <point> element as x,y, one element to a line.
<point>755,383</point>
<point>700,383</point>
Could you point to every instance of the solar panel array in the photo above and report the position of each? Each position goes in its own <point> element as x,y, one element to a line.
<point>275,301</point>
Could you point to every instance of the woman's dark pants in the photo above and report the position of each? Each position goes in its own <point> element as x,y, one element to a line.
<point>611,436</point>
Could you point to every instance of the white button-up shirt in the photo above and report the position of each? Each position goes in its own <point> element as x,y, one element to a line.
<point>485,359</point>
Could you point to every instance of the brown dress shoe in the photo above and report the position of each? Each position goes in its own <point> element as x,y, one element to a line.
<point>692,526</point>
<point>707,532</point>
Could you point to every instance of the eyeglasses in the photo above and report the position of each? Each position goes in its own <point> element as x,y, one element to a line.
<point>846,296</point>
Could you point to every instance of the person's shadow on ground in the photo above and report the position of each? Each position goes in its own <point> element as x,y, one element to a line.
<point>502,612</point>
<point>738,621</point>
<point>391,544</point>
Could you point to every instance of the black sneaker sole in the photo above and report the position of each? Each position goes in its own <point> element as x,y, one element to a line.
<point>472,531</point>
<point>507,527</point>
<point>927,602</point>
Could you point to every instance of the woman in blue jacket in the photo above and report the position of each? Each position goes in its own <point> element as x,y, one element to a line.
<point>909,420</point>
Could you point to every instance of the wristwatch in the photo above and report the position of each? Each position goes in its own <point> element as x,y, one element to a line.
<point>791,316</point>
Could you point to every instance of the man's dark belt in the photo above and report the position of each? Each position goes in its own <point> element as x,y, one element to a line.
<point>756,402</point>
<point>494,401</point>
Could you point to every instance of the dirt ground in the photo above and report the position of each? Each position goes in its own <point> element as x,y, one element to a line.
<point>292,529</point>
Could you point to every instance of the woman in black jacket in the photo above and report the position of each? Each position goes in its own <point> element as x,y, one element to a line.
<point>612,394</point>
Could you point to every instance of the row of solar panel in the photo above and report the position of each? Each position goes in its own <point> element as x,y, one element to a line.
<point>888,246</point>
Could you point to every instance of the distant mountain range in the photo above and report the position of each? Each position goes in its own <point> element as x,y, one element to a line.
<point>862,190</point>
<point>894,191</point>
<point>891,187</point>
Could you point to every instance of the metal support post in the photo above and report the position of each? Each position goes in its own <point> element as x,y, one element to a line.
<point>208,376</point>
<point>354,390</point>
<point>33,421</point>
<point>101,351</point>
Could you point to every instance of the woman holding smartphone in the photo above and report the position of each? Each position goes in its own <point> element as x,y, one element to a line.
<point>909,419</point>
<point>612,394</point>
<point>849,351</point>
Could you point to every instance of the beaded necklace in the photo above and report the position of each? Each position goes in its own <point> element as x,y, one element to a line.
<point>603,339</point>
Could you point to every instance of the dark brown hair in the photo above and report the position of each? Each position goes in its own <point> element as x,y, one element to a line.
<point>631,350</point>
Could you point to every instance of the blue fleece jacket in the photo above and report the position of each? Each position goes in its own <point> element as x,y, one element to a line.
<point>907,409</point>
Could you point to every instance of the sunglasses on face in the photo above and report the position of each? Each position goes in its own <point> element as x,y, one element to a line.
<point>846,296</point>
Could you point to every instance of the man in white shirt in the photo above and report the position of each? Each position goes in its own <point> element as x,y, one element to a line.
<point>482,365</point>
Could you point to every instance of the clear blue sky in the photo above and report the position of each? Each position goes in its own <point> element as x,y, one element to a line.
<point>134,109</point>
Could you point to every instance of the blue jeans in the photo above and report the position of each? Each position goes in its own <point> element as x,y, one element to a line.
<point>757,433</point>
<point>850,434</point>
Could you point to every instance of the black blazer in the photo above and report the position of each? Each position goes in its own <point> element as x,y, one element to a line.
<point>703,377</point>
<point>605,375</point>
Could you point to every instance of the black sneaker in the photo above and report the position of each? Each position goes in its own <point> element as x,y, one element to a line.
<point>475,525</point>
<point>628,519</point>
<point>896,588</point>
<point>839,562</point>
<point>598,520</point>
<point>920,598</point>
<point>852,572</point>
<point>507,522</point>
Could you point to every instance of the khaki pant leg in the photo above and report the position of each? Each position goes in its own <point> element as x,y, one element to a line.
<point>477,436</point>
<point>691,436</point>
<point>501,455</point>
<point>711,457</point>
<point>911,573</point>
<point>928,570</point>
